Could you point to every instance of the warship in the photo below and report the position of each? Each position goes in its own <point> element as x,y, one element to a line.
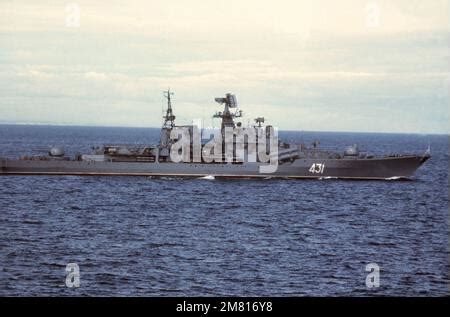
<point>216,158</point>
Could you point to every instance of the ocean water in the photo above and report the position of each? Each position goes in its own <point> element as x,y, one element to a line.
<point>136,236</point>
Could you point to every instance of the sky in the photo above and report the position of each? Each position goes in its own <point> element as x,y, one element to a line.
<point>322,65</point>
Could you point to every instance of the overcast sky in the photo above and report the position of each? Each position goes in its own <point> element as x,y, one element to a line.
<point>350,65</point>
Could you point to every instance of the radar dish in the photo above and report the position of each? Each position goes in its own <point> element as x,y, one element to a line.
<point>232,102</point>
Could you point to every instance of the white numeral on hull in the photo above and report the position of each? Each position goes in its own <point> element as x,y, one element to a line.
<point>317,168</point>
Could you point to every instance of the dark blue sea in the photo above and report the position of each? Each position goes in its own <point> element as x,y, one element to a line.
<point>172,237</point>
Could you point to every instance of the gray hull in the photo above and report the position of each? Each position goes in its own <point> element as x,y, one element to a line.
<point>379,168</point>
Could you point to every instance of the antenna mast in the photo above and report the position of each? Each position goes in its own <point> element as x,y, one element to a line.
<point>169,118</point>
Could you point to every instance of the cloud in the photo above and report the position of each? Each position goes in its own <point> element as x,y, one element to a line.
<point>303,64</point>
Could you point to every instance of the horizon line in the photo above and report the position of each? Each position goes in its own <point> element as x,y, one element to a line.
<point>150,127</point>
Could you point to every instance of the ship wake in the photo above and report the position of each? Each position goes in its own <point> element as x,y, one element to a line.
<point>397,178</point>
<point>208,177</point>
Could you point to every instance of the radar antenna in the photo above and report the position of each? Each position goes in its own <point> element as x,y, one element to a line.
<point>226,115</point>
<point>259,121</point>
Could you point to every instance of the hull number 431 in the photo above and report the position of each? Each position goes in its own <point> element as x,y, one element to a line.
<point>317,168</point>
